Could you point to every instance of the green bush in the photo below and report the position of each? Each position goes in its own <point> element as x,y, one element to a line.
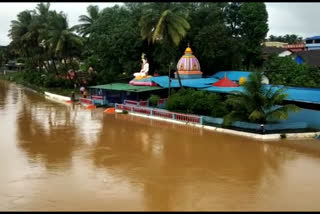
<point>51,81</point>
<point>285,71</point>
<point>196,102</point>
<point>153,100</point>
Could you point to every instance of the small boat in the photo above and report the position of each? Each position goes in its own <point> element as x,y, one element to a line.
<point>110,110</point>
<point>90,106</point>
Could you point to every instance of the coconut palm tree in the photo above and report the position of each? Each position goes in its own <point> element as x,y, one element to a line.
<point>258,103</point>
<point>165,23</point>
<point>61,38</point>
<point>24,34</point>
<point>19,32</point>
<point>84,29</point>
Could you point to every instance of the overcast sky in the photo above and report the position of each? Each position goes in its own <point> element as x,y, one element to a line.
<point>284,18</point>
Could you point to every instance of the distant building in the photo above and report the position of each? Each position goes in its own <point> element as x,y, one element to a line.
<point>275,44</point>
<point>281,52</point>
<point>313,43</point>
<point>296,47</point>
<point>310,57</point>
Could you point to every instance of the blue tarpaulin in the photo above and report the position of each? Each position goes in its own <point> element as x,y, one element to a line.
<point>232,75</point>
<point>163,81</point>
<point>307,95</point>
<point>223,89</point>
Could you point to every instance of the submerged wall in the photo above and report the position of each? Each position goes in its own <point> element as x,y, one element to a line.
<point>311,117</point>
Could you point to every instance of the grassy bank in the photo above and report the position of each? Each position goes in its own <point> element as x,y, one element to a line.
<point>18,78</point>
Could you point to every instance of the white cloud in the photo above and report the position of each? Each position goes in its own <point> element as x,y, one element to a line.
<point>294,18</point>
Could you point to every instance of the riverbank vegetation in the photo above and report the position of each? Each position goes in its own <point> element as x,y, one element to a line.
<point>42,83</point>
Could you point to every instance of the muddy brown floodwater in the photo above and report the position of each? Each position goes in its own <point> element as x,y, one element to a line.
<point>59,157</point>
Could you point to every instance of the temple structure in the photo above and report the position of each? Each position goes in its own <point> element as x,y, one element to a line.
<point>188,66</point>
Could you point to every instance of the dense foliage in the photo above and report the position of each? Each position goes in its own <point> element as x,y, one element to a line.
<point>257,103</point>
<point>285,71</point>
<point>44,39</point>
<point>153,100</point>
<point>288,38</point>
<point>223,36</point>
<point>196,102</point>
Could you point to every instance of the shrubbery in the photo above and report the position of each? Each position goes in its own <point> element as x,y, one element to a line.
<point>51,81</point>
<point>285,71</point>
<point>196,102</point>
<point>40,79</point>
<point>153,100</point>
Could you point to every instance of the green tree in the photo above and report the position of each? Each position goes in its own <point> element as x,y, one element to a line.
<point>232,18</point>
<point>61,38</point>
<point>42,23</point>
<point>285,71</point>
<point>196,102</point>
<point>23,39</point>
<point>288,38</point>
<point>167,24</point>
<point>253,29</point>
<point>88,20</point>
<point>257,103</point>
<point>116,43</point>
<point>207,30</point>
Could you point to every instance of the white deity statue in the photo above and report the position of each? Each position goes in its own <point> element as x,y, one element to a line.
<point>144,70</point>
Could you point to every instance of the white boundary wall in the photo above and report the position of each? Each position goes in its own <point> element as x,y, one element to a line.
<point>56,97</point>
<point>264,137</point>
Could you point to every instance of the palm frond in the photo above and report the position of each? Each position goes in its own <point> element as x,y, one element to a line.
<point>160,25</point>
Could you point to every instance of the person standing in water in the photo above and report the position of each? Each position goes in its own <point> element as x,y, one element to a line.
<point>82,89</point>
<point>85,94</point>
<point>73,97</point>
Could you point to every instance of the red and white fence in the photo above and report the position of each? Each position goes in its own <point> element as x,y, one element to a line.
<point>96,97</point>
<point>131,102</point>
<point>86,101</point>
<point>143,103</point>
<point>160,113</point>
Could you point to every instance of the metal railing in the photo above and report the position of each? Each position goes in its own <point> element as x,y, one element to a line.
<point>161,113</point>
<point>131,102</point>
<point>86,101</point>
<point>144,103</point>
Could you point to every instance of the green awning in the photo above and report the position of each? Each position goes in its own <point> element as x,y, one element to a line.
<point>126,87</point>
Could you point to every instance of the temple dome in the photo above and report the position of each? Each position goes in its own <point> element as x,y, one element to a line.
<point>188,65</point>
<point>188,62</point>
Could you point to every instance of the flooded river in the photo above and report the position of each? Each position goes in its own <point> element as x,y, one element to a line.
<point>59,157</point>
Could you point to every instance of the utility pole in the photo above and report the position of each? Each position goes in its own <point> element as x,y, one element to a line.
<point>169,80</point>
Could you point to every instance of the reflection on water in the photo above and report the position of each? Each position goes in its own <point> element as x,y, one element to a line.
<point>63,157</point>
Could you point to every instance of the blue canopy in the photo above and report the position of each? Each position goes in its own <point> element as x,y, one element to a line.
<point>232,75</point>
<point>312,38</point>
<point>163,81</point>
<point>306,95</point>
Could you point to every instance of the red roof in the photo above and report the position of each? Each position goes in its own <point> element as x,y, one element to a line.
<point>225,82</point>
